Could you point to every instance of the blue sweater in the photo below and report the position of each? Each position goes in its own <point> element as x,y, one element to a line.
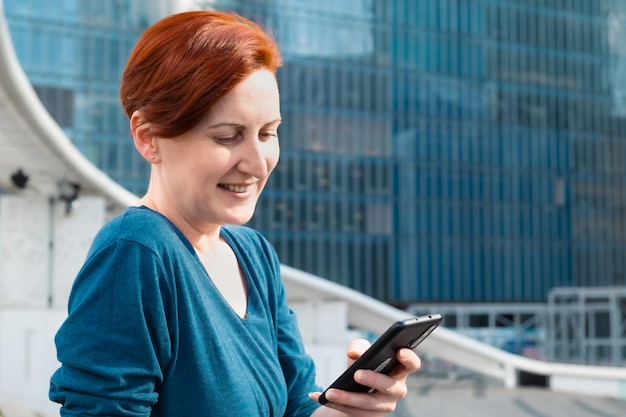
<point>148,334</point>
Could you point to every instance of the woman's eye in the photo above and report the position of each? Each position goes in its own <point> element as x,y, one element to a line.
<point>227,141</point>
<point>267,135</point>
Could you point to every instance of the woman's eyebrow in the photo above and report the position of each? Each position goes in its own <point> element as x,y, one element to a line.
<point>240,126</point>
<point>226,124</point>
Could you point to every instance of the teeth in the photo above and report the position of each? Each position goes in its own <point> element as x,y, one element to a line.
<point>234,188</point>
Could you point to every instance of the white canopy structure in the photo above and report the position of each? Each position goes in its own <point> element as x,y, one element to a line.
<point>36,157</point>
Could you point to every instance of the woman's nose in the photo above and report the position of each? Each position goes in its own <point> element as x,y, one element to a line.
<point>254,158</point>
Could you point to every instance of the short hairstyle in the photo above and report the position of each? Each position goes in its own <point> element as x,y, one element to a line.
<point>187,61</point>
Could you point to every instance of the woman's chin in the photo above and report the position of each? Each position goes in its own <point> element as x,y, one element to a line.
<point>240,218</point>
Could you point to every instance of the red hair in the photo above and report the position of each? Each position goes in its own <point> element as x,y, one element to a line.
<point>185,62</point>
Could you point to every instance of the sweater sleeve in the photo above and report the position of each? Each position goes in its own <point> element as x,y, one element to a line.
<point>116,343</point>
<point>298,367</point>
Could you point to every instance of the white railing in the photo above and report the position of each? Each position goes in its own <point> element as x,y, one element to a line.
<point>369,314</point>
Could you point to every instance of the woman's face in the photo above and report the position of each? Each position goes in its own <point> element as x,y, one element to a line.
<point>213,174</point>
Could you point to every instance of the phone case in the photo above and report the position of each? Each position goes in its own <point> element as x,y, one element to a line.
<point>381,356</point>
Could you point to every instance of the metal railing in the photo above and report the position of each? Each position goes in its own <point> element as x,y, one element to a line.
<point>367,313</point>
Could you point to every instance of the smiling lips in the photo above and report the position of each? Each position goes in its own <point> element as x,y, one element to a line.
<point>234,188</point>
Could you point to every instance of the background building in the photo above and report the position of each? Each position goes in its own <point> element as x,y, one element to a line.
<point>440,151</point>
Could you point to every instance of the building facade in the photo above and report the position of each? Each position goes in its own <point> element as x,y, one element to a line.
<point>440,151</point>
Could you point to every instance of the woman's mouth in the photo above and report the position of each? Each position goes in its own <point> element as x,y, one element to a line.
<point>234,188</point>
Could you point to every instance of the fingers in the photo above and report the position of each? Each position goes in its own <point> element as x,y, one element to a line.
<point>409,363</point>
<point>393,384</point>
<point>408,359</point>
<point>387,389</point>
<point>358,404</point>
<point>356,349</point>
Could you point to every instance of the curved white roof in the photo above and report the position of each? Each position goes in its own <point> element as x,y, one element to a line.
<point>31,141</point>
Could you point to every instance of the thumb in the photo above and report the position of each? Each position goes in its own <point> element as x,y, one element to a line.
<point>356,349</point>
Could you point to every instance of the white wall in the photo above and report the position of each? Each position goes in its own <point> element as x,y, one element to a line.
<point>41,250</point>
<point>24,253</point>
<point>28,356</point>
<point>324,327</point>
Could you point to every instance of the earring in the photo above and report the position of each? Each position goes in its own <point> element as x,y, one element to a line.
<point>152,157</point>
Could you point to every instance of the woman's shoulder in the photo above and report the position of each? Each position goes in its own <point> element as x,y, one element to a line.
<point>140,225</point>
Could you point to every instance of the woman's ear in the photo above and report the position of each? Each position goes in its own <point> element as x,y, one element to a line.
<point>145,141</point>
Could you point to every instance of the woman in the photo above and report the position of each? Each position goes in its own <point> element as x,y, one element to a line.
<point>179,310</point>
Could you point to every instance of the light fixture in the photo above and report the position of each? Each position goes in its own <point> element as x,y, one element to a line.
<point>19,179</point>
<point>68,193</point>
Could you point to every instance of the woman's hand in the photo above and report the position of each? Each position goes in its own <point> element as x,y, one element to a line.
<point>388,389</point>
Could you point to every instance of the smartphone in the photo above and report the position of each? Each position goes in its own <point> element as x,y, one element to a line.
<point>381,356</point>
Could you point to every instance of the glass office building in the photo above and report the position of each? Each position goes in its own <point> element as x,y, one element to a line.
<point>449,150</point>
